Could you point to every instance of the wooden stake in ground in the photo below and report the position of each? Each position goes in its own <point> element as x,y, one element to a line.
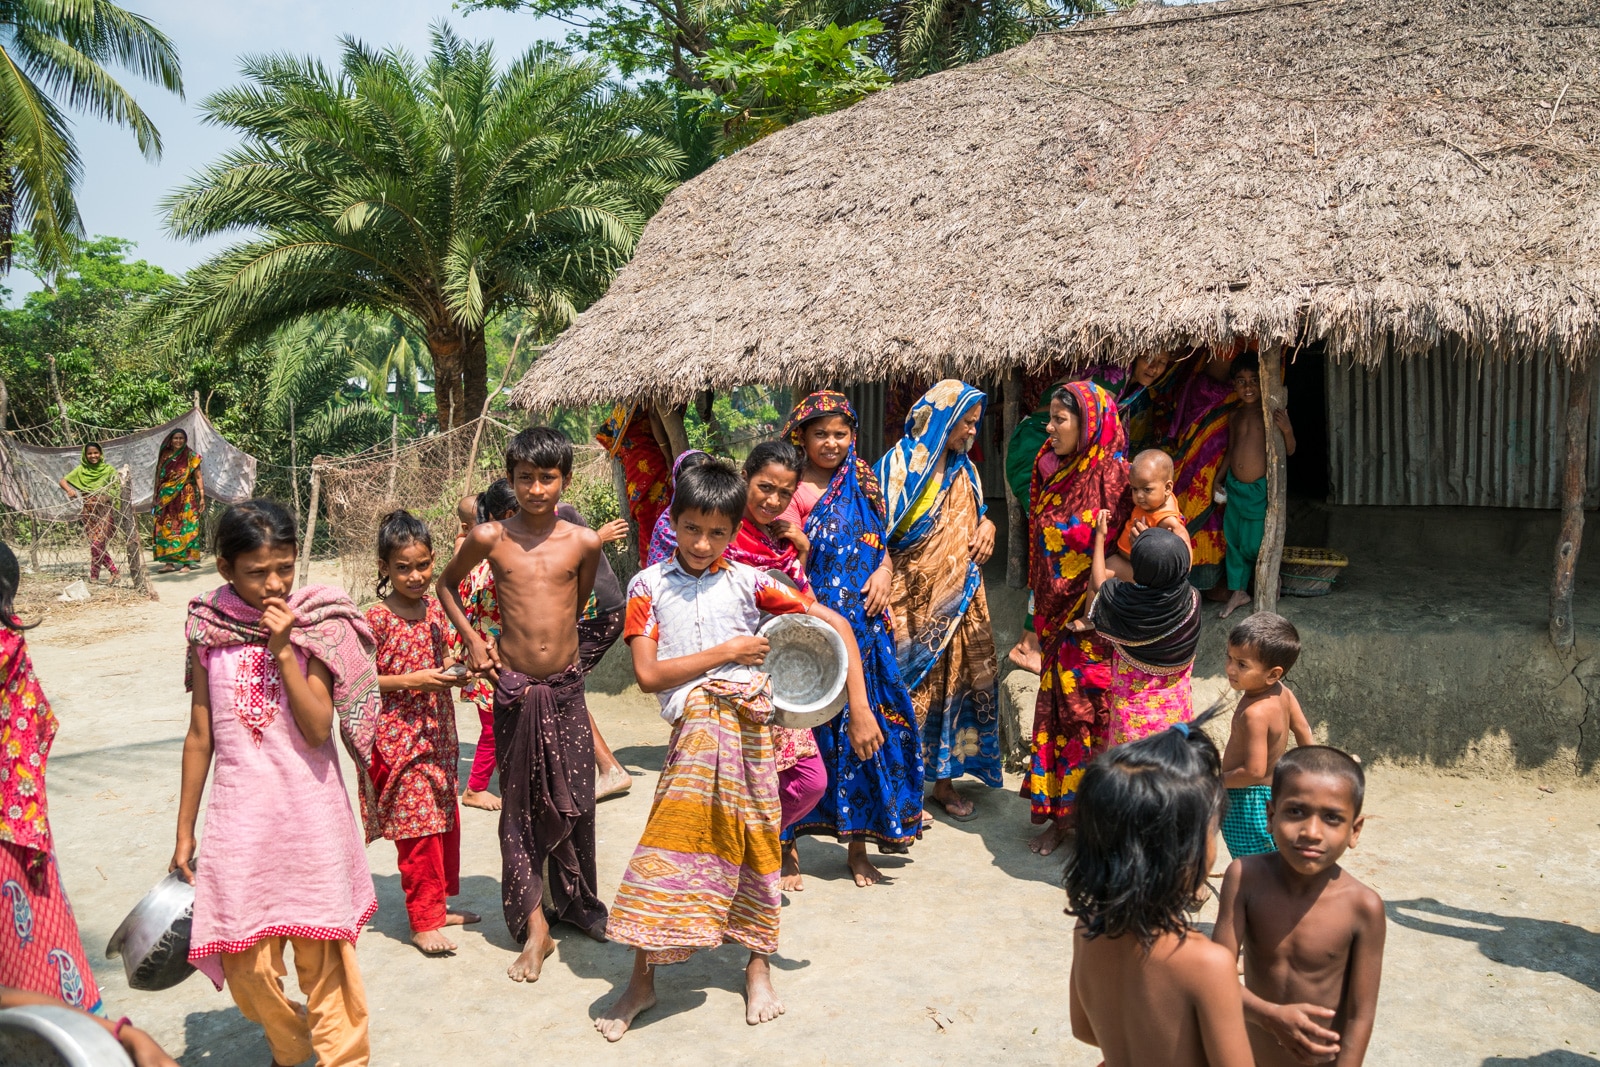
<point>130,526</point>
<point>1580,386</point>
<point>1016,510</point>
<point>483,416</point>
<point>1273,398</point>
<point>310,534</point>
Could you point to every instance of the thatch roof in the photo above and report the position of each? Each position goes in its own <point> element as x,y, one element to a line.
<point>1379,173</point>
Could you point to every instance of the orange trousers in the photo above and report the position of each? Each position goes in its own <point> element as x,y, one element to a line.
<point>333,1021</point>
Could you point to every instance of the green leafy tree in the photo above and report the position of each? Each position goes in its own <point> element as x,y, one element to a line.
<point>80,318</point>
<point>54,54</point>
<point>445,193</point>
<point>781,77</point>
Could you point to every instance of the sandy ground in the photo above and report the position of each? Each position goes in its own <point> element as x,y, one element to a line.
<point>1493,956</point>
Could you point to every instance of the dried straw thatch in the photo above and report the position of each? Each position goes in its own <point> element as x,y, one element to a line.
<point>1378,173</point>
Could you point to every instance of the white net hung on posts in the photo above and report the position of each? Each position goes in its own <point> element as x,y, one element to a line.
<point>59,539</point>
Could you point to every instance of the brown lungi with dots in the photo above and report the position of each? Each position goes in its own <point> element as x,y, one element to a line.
<point>545,750</point>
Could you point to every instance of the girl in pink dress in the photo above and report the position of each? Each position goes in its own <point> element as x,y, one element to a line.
<point>414,760</point>
<point>283,860</point>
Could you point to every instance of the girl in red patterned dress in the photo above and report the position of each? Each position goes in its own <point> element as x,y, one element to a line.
<point>414,759</point>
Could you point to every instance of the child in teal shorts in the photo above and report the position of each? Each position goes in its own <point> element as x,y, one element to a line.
<point>1260,650</point>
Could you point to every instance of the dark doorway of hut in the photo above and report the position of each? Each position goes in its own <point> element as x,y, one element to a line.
<point>1305,378</point>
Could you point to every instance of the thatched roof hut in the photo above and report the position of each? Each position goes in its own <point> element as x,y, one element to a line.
<point>1372,178</point>
<point>1376,173</point>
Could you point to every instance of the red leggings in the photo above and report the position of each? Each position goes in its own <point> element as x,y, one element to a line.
<point>430,871</point>
<point>483,758</point>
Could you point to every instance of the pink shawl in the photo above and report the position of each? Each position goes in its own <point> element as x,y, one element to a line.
<point>327,627</point>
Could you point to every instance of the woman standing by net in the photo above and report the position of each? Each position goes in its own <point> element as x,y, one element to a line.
<point>179,502</point>
<point>94,482</point>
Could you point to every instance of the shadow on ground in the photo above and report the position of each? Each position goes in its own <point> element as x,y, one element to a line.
<point>1553,1058</point>
<point>1531,944</point>
<point>223,1036</point>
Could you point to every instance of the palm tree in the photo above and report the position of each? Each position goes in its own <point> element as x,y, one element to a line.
<point>445,193</point>
<point>53,49</point>
<point>310,361</point>
<point>385,354</point>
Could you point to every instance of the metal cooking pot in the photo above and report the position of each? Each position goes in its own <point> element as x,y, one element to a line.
<point>807,664</point>
<point>153,940</point>
<point>50,1036</point>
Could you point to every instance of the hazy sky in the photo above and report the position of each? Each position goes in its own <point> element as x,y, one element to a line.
<point>121,192</point>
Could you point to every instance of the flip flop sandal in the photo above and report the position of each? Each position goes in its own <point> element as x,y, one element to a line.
<point>968,817</point>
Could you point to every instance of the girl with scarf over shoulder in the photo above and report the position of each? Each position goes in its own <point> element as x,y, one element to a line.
<point>939,539</point>
<point>1081,470</point>
<point>878,799</point>
<point>1152,624</point>
<point>276,675</point>
<point>93,482</point>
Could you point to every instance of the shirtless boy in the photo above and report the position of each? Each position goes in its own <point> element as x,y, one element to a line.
<point>544,568</point>
<point>1244,516</point>
<point>1260,650</point>
<point>1312,935</point>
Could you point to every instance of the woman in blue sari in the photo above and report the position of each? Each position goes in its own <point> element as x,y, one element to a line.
<point>938,540</point>
<point>839,504</point>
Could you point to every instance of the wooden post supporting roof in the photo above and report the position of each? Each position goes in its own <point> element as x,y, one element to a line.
<point>1016,510</point>
<point>1273,397</point>
<point>1580,386</point>
<point>677,437</point>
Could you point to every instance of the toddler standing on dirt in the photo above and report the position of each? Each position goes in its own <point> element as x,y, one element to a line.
<point>284,859</point>
<point>414,759</point>
<point>1260,650</point>
<point>1312,935</point>
<point>1146,987</point>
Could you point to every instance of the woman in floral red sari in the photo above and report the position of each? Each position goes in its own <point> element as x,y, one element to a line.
<point>1081,469</point>
<point>180,500</point>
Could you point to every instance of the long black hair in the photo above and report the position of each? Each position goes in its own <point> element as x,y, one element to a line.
<point>10,578</point>
<point>499,501</point>
<point>396,530</point>
<point>1146,814</point>
<point>254,524</point>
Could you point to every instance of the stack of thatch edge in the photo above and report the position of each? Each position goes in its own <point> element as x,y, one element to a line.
<point>1377,174</point>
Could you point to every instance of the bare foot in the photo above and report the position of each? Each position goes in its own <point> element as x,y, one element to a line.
<point>954,804</point>
<point>537,949</point>
<point>433,942</point>
<point>861,867</point>
<point>462,918</point>
<point>1050,840</point>
<point>1239,599</point>
<point>612,782</point>
<point>484,799</point>
<point>597,932</point>
<point>761,1003</point>
<point>1025,653</point>
<point>639,996</point>
<point>791,880</point>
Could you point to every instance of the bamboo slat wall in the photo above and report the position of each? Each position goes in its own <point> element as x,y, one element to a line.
<point>1445,429</point>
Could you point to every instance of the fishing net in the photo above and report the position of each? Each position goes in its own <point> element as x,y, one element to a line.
<point>427,477</point>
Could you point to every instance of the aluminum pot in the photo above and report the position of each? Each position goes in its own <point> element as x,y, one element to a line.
<point>807,663</point>
<point>50,1036</point>
<point>153,940</point>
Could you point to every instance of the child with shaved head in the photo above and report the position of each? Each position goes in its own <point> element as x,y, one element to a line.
<point>1150,482</point>
<point>1312,935</point>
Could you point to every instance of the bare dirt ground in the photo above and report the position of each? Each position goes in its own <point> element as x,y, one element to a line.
<point>1493,955</point>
